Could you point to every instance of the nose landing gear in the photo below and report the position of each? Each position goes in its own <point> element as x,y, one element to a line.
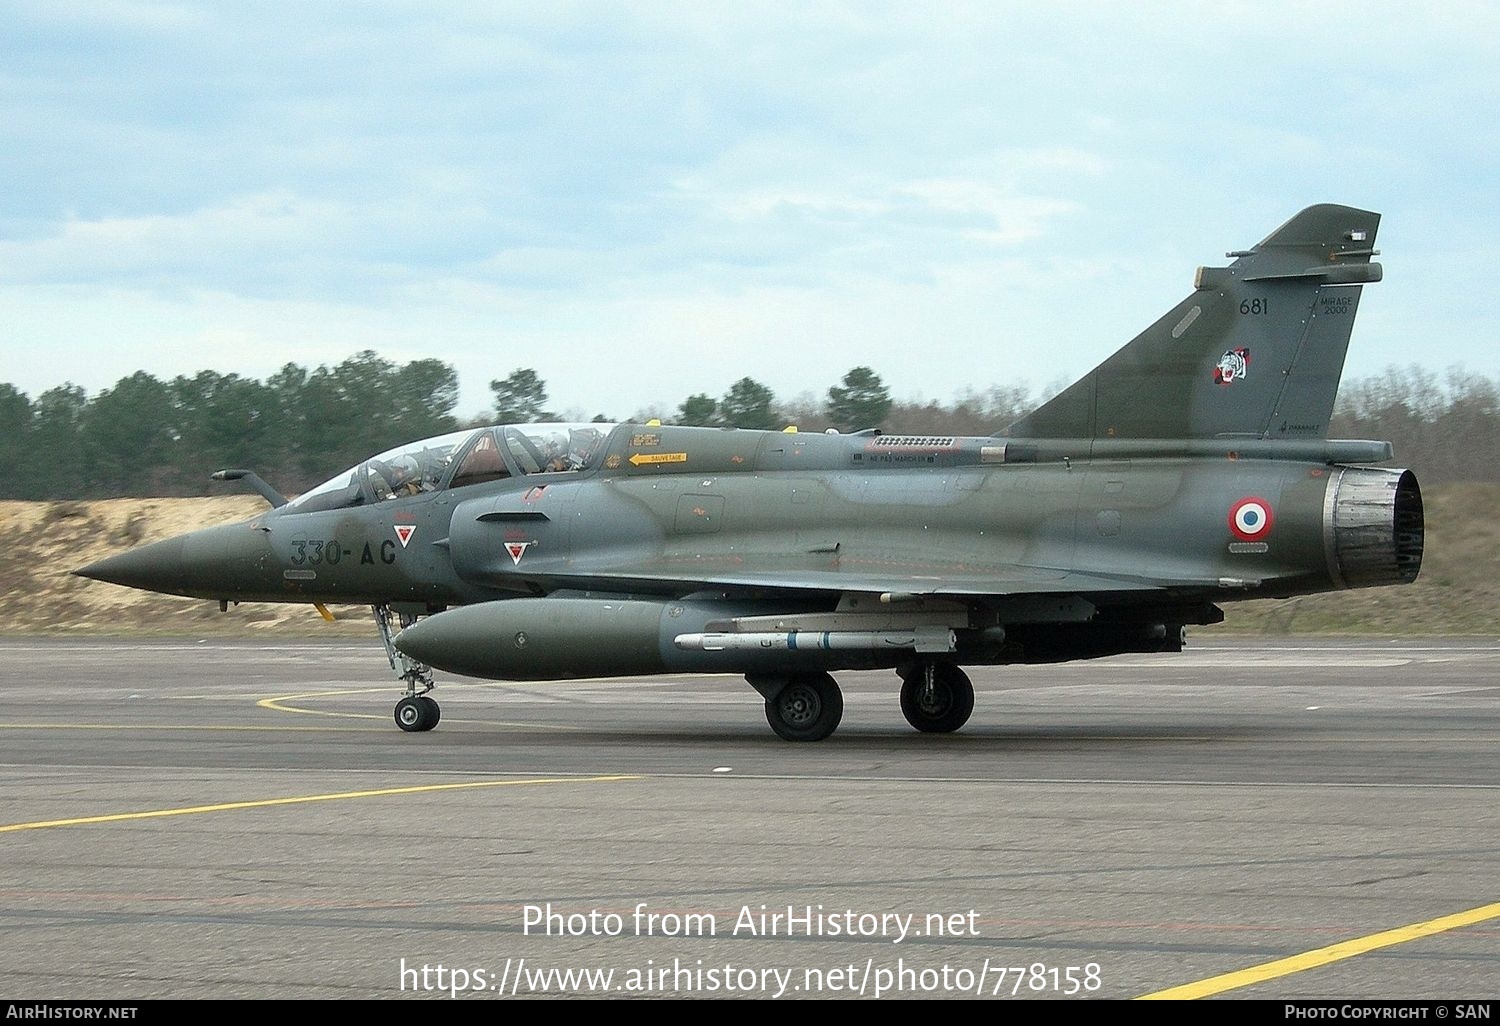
<point>415,712</point>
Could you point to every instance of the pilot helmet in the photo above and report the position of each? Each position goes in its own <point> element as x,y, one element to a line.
<point>404,469</point>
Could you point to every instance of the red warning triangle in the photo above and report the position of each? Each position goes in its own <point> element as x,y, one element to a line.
<point>404,533</point>
<point>517,550</point>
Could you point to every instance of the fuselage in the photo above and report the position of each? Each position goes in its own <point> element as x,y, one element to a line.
<point>660,506</point>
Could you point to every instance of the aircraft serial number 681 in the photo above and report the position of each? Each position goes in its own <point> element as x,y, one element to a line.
<point>1189,469</point>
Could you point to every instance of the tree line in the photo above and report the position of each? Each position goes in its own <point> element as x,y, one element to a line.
<point>150,437</point>
<point>145,436</point>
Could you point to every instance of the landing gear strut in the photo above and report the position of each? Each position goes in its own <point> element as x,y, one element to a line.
<point>936,698</point>
<point>415,711</point>
<point>802,707</point>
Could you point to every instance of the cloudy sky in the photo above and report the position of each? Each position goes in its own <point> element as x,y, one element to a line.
<point>652,199</point>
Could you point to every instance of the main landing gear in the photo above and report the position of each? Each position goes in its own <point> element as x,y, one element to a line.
<point>936,698</point>
<point>415,712</point>
<point>801,707</point>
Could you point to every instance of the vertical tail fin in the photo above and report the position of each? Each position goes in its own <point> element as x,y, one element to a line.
<point>1256,351</point>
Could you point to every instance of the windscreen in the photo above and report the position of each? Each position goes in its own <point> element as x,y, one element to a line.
<point>418,467</point>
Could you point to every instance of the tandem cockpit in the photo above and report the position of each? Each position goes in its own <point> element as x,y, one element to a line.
<point>460,458</point>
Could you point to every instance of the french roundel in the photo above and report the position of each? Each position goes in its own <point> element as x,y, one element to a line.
<point>1251,518</point>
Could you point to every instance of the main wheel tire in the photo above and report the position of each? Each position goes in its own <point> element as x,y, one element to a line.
<point>807,709</point>
<point>943,708</point>
<point>434,712</point>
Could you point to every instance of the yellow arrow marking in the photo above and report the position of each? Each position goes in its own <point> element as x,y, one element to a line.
<point>658,457</point>
<point>194,810</point>
<point>1323,956</point>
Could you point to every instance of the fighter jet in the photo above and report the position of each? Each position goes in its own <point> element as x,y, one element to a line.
<point>1188,470</point>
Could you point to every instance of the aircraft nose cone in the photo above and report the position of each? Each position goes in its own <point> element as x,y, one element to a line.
<point>155,567</point>
<point>214,563</point>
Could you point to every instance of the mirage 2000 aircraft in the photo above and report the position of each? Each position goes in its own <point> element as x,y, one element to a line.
<point>1189,469</point>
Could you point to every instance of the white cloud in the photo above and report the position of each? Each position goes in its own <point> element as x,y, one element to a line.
<point>118,14</point>
<point>1008,218</point>
<point>270,225</point>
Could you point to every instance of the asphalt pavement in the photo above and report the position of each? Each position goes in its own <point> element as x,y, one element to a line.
<point>243,819</point>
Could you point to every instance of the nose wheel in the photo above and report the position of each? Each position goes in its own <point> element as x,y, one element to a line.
<point>417,713</point>
<point>936,698</point>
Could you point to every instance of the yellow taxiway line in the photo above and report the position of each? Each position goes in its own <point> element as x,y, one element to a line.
<point>194,810</point>
<point>1324,956</point>
<point>274,703</point>
<point>145,728</point>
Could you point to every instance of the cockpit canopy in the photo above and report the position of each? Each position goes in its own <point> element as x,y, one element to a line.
<point>460,459</point>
